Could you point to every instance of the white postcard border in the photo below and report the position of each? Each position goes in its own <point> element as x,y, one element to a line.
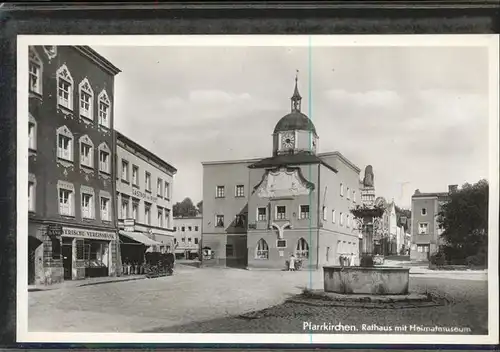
<point>23,41</point>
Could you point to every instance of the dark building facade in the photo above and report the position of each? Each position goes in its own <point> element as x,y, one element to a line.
<point>72,226</point>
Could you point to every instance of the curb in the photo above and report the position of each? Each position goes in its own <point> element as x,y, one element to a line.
<point>353,304</point>
<point>111,281</point>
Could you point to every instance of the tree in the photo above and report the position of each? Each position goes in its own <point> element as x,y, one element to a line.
<point>464,220</point>
<point>199,206</point>
<point>185,208</point>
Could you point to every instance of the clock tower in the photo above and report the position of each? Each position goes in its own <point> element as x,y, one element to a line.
<point>295,133</point>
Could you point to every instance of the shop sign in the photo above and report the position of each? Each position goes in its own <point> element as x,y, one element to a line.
<point>90,234</point>
<point>143,195</point>
<point>54,230</point>
<point>129,225</point>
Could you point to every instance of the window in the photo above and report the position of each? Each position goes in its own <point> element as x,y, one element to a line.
<point>348,195</point>
<point>64,88</point>
<point>167,190</point>
<point>341,219</point>
<point>175,230</point>
<point>196,228</point>
<point>261,214</point>
<point>147,181</point>
<point>325,213</point>
<point>86,99</point>
<point>347,219</point>
<point>125,208</point>
<point>423,228</point>
<point>304,212</point>
<point>196,240</point>
<point>135,211</point>
<point>189,240</point>
<point>125,170</point>
<point>280,212</point>
<point>183,239</point>
<point>31,196</point>
<point>424,211</point>
<point>66,201</point>
<point>262,250</point>
<point>135,175</point>
<point>219,220</point>
<point>302,249</point>
<point>190,228</point>
<point>240,191</point>
<point>334,215</point>
<point>219,192</point>
<point>87,205</point>
<point>105,209</point>
<point>147,213</point>
<point>341,189</point>
<point>167,218</point>
<point>104,109</point>
<point>35,75</point>
<point>160,217</point>
<point>31,133</point>
<point>183,229</point>
<point>86,151</point>
<point>64,144</point>
<point>159,190</point>
<point>240,220</point>
<point>104,158</point>
<point>354,196</point>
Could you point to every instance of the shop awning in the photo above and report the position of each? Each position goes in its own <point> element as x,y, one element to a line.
<point>193,251</point>
<point>140,237</point>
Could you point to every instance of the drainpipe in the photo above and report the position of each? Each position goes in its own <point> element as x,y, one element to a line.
<point>115,203</point>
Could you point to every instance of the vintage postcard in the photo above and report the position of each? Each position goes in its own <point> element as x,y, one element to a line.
<point>258,189</point>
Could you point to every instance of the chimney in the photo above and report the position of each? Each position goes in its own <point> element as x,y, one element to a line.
<point>452,188</point>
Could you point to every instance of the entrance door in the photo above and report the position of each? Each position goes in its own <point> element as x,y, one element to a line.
<point>67,253</point>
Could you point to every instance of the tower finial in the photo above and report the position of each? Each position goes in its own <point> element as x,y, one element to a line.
<point>296,98</point>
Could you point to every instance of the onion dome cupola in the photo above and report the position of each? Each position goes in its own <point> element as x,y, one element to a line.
<point>295,133</point>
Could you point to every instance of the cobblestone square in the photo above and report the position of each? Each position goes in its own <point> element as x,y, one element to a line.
<point>210,300</point>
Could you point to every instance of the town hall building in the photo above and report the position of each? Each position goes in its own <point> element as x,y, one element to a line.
<point>258,212</point>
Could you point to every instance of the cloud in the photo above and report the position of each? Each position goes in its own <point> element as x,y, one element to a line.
<point>417,114</point>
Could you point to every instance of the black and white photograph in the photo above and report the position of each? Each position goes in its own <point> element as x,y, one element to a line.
<point>270,189</point>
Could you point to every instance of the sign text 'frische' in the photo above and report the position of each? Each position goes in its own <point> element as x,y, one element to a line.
<point>96,235</point>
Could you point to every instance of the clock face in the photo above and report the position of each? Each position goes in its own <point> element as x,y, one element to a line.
<point>288,140</point>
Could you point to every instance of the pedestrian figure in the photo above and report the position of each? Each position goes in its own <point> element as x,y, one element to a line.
<point>350,259</point>
<point>291,264</point>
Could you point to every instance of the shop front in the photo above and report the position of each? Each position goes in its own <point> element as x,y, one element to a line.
<point>134,245</point>
<point>88,253</point>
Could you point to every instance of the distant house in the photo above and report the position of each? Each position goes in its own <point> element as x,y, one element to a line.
<point>425,230</point>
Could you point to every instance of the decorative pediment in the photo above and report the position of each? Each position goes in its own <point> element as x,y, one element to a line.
<point>103,96</point>
<point>85,86</point>
<point>64,130</point>
<point>86,140</point>
<point>63,73</point>
<point>283,182</point>
<point>87,189</point>
<point>33,55</point>
<point>50,51</point>
<point>104,147</point>
<point>65,185</point>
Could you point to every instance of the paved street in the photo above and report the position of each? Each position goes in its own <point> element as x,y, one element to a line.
<point>206,300</point>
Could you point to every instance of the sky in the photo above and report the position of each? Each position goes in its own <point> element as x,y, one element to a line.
<point>419,115</point>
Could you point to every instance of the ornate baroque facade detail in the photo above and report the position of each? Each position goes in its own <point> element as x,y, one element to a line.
<point>283,182</point>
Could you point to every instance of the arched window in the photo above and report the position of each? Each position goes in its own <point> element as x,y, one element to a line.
<point>64,143</point>
<point>104,158</point>
<point>86,151</point>
<point>64,88</point>
<point>104,109</point>
<point>302,250</point>
<point>86,97</point>
<point>262,250</point>
<point>35,67</point>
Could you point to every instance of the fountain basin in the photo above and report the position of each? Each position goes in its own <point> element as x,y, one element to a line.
<point>360,280</point>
